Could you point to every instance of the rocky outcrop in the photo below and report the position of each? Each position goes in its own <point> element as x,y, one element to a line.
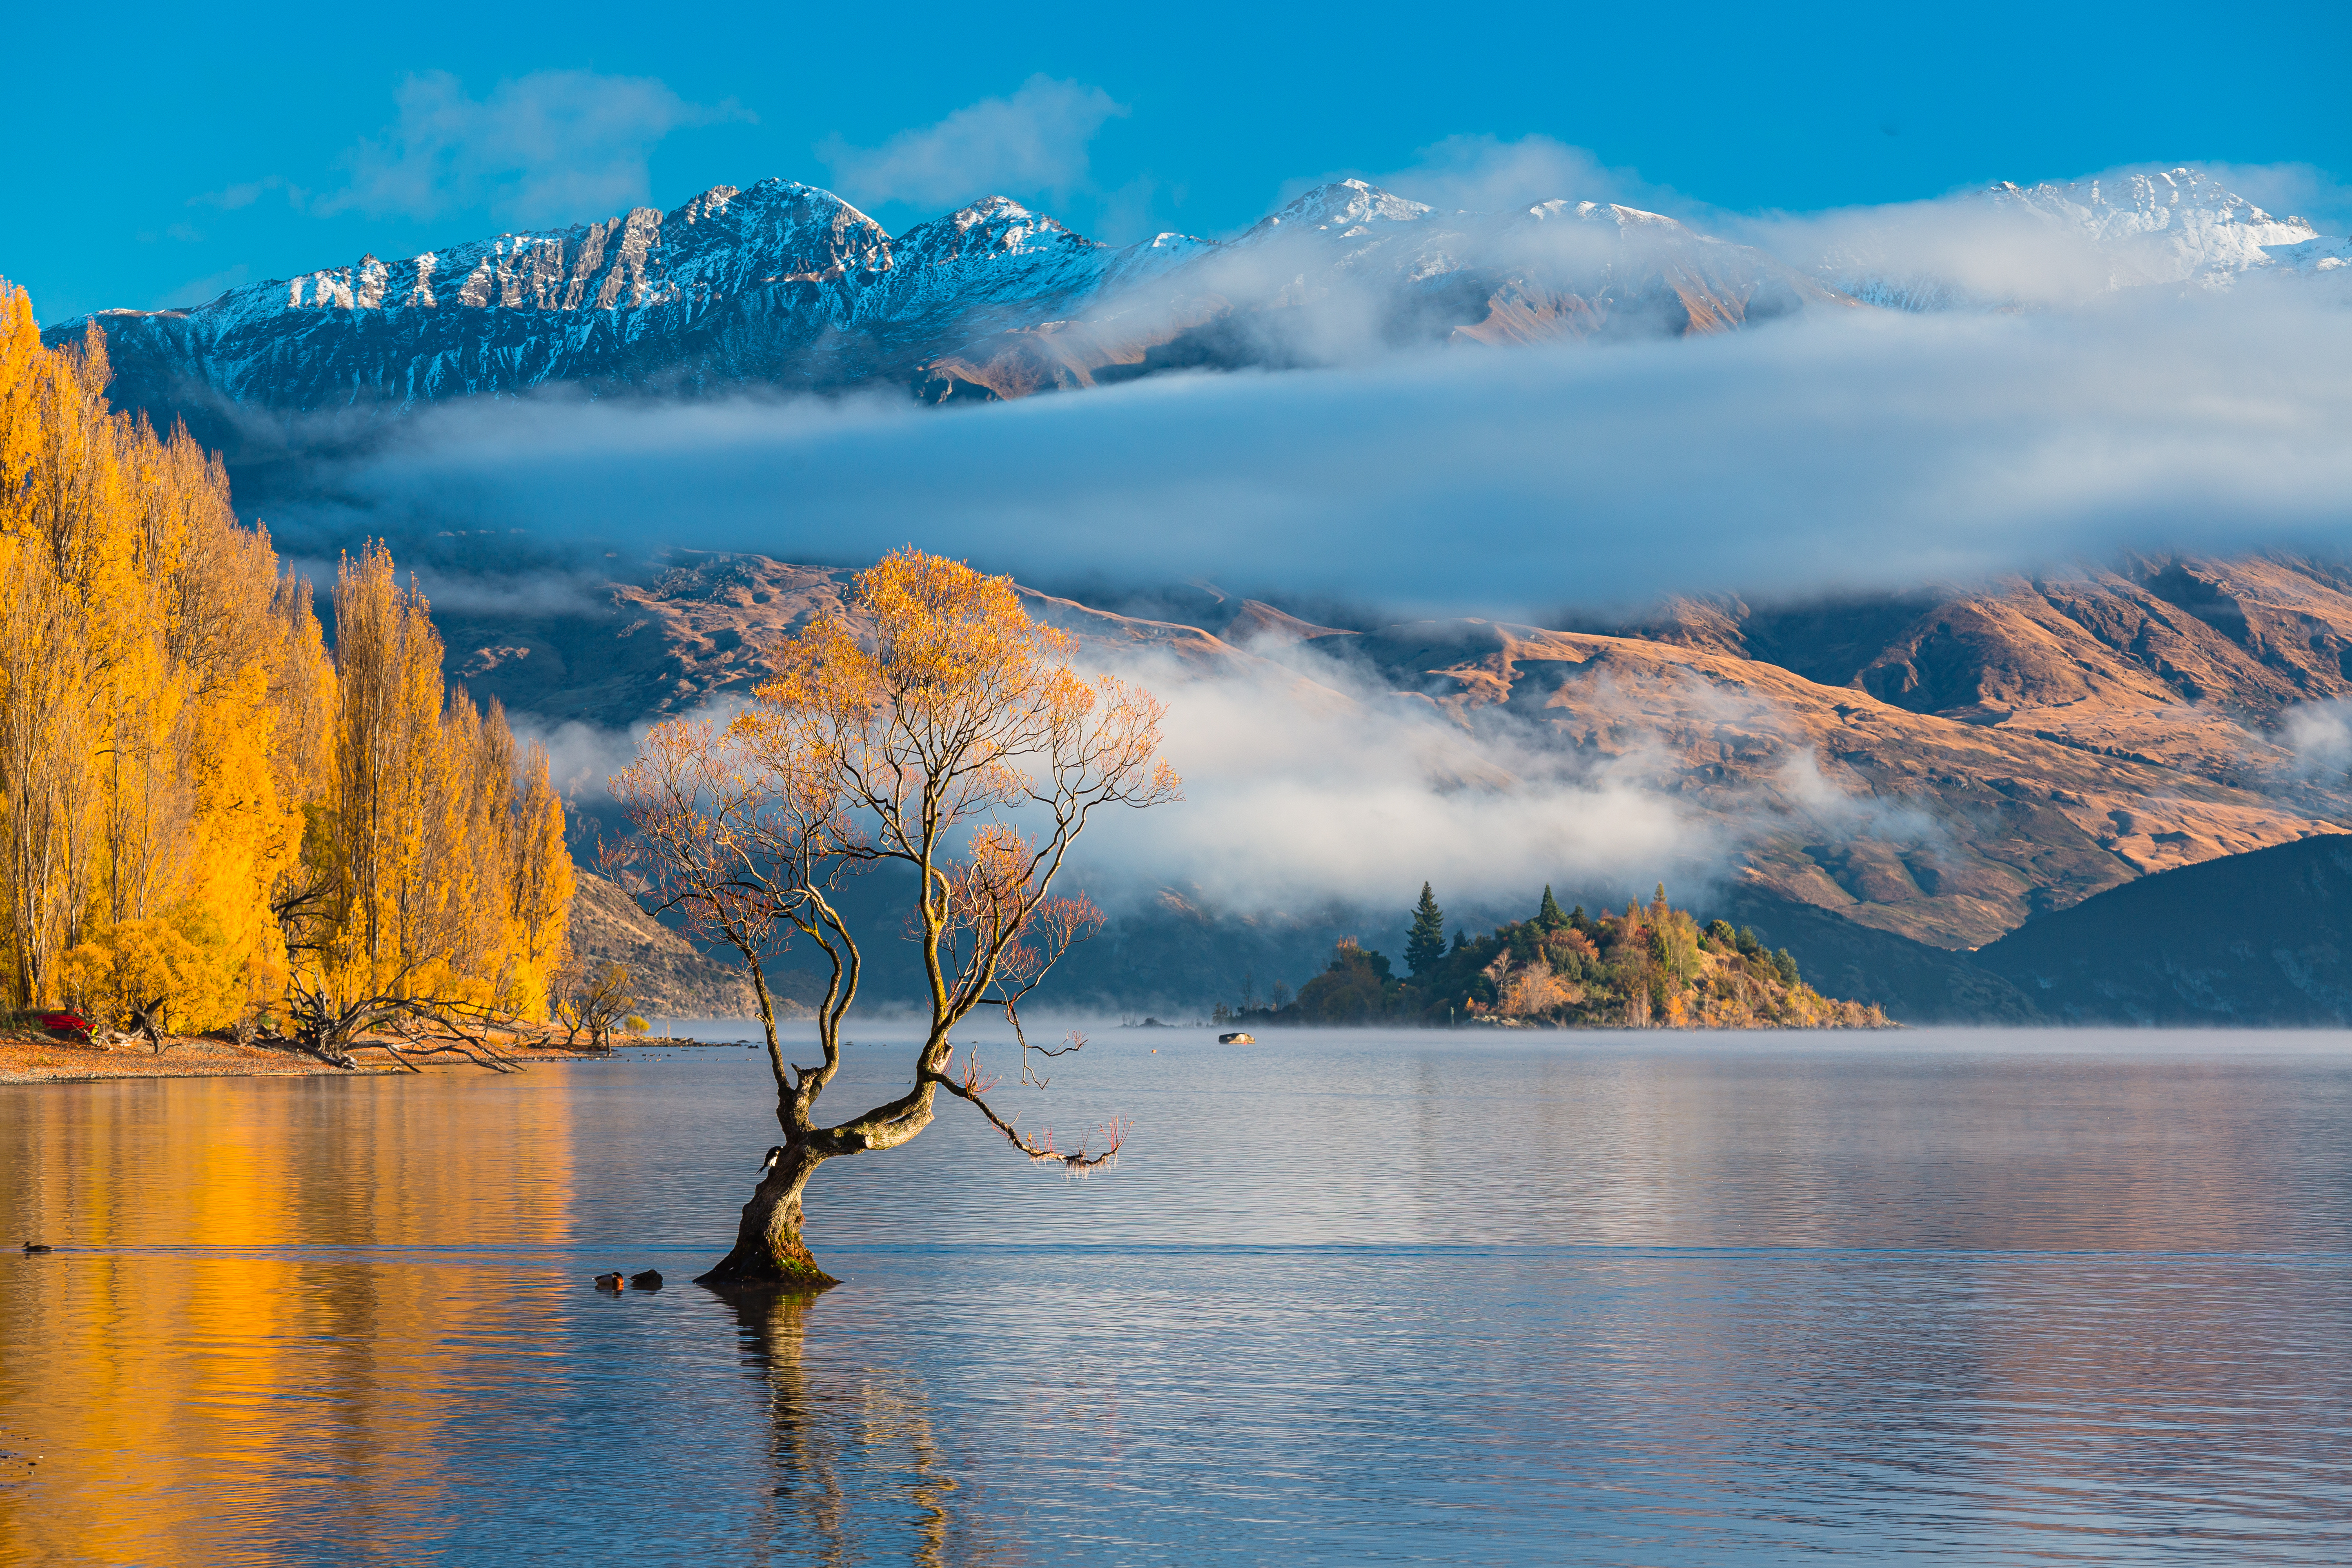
<point>2183,660</point>
<point>668,975</point>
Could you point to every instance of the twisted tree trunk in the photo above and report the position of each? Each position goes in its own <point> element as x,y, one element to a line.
<point>768,1247</point>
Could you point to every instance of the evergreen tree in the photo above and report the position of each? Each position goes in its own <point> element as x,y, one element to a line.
<point>1548,913</point>
<point>1424,949</point>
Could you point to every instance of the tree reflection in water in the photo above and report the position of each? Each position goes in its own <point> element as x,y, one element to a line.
<point>839,1442</point>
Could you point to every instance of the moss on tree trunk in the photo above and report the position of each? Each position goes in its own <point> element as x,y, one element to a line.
<point>768,1249</point>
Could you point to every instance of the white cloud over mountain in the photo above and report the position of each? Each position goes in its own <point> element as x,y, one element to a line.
<point>1034,140</point>
<point>1868,450</point>
<point>541,148</point>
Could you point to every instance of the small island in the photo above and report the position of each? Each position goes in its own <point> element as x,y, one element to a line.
<point>1658,967</point>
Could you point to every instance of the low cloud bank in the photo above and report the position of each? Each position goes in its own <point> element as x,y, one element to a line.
<point>1302,791</point>
<point>1863,450</point>
<point>1316,786</point>
<point>2319,737</point>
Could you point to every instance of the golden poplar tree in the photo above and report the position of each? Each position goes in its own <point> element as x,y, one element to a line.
<point>196,801</point>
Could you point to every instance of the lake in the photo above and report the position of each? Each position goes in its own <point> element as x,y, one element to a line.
<point>1347,1297</point>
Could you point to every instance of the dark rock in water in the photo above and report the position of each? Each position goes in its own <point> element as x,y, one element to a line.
<point>650,1279</point>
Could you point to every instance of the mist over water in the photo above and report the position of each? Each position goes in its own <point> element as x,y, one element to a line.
<point>1592,1298</point>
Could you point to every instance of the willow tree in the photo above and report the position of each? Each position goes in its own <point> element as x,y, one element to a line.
<point>934,727</point>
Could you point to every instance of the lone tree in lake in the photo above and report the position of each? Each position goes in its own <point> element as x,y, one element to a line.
<point>935,726</point>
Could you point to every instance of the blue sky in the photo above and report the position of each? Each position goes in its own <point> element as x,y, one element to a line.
<point>173,151</point>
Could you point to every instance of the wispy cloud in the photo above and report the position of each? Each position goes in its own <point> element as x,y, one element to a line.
<point>1486,174</point>
<point>200,290</point>
<point>1302,790</point>
<point>230,198</point>
<point>1316,781</point>
<point>1035,141</point>
<point>2319,737</point>
<point>553,146</point>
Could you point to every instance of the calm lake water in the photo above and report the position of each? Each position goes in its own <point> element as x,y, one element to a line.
<point>1356,1297</point>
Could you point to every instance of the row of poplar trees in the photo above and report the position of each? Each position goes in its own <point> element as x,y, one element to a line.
<point>199,804</point>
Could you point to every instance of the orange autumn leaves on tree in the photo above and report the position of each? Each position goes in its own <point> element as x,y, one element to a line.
<point>447,879</point>
<point>952,706</point>
<point>175,796</point>
<point>933,727</point>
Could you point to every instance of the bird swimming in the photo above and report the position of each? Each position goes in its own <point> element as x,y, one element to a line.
<point>648,1280</point>
<point>33,1246</point>
<point>611,1281</point>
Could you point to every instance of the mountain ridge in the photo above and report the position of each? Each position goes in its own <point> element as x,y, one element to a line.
<point>2047,755</point>
<point>786,285</point>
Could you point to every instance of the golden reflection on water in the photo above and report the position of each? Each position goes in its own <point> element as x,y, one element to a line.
<point>178,1371</point>
<point>218,1356</point>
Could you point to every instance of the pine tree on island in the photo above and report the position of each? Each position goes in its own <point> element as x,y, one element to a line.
<point>1654,966</point>
<point>1424,949</point>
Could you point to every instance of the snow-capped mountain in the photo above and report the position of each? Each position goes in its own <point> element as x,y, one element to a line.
<point>783,284</point>
<point>1348,270</point>
<point>2009,246</point>
<point>2311,258</point>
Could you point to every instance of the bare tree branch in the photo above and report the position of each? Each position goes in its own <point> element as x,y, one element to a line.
<point>934,726</point>
<point>973,1089</point>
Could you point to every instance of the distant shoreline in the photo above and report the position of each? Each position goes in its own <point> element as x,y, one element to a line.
<point>32,1059</point>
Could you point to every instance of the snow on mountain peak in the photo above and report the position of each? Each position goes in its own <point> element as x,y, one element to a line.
<point>1343,207</point>
<point>992,226</point>
<point>787,283</point>
<point>2181,200</point>
<point>1623,217</point>
<point>2009,246</point>
<point>2310,257</point>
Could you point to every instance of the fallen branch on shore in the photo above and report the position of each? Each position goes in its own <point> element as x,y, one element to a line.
<point>332,1032</point>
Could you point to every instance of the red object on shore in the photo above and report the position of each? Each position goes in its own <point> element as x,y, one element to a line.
<point>64,1022</point>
